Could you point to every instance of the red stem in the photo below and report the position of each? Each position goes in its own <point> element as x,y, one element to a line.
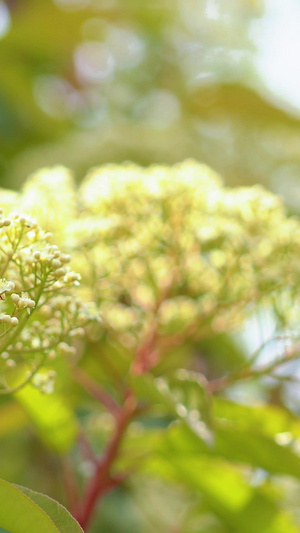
<point>146,355</point>
<point>94,389</point>
<point>103,480</point>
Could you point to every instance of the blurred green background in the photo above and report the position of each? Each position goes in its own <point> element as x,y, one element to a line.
<point>85,82</point>
<point>89,81</point>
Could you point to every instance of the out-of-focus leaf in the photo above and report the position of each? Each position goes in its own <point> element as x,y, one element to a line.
<point>226,493</point>
<point>12,417</point>
<point>58,514</point>
<point>269,419</point>
<point>224,487</point>
<point>222,354</point>
<point>241,446</point>
<point>183,396</point>
<point>54,420</point>
<point>146,389</point>
<point>192,401</point>
<point>215,478</point>
<point>252,448</point>
<point>19,514</point>
<point>238,446</point>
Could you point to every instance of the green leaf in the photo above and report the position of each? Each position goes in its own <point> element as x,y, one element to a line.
<point>226,492</point>
<point>240,446</point>
<point>192,402</point>
<point>58,514</point>
<point>182,396</point>
<point>224,486</point>
<point>222,354</point>
<point>55,421</point>
<point>19,514</point>
<point>215,478</point>
<point>145,387</point>
<point>258,450</point>
<point>270,419</point>
<point>12,417</point>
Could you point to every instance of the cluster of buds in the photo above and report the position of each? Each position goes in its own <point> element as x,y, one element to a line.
<point>169,245</point>
<point>44,381</point>
<point>4,222</point>
<point>40,316</point>
<point>8,319</point>
<point>22,302</point>
<point>178,248</point>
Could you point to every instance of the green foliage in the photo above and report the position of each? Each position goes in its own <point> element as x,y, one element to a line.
<point>24,510</point>
<point>47,96</point>
<point>181,82</point>
<point>55,422</point>
<point>171,242</point>
<point>171,265</point>
<point>156,410</point>
<point>58,514</point>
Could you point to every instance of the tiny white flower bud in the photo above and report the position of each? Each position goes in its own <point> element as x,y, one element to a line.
<point>35,343</point>
<point>56,263</point>
<point>59,272</point>
<point>65,349</point>
<point>78,332</point>
<point>47,387</point>
<point>30,303</point>
<point>72,276</point>
<point>65,258</point>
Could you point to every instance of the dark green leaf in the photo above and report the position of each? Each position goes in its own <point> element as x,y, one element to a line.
<point>19,514</point>
<point>58,514</point>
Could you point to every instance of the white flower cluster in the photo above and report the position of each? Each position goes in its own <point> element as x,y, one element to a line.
<point>169,246</point>
<point>39,314</point>
<point>44,381</point>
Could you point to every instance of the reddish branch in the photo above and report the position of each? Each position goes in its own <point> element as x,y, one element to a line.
<point>146,355</point>
<point>104,480</point>
<point>95,390</point>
